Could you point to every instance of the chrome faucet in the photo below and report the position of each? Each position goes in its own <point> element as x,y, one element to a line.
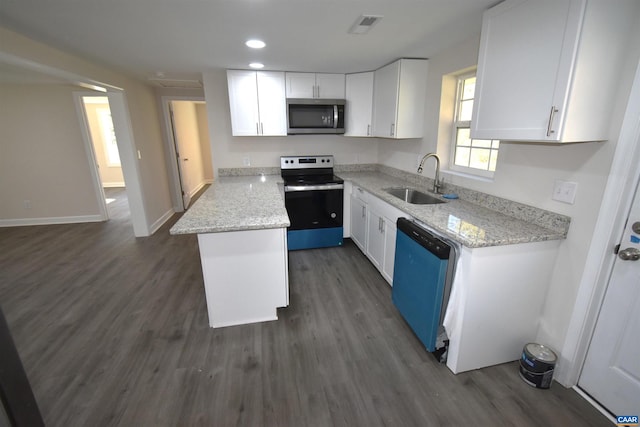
<point>436,181</point>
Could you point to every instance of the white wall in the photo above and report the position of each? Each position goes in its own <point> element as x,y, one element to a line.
<point>229,151</point>
<point>42,156</point>
<point>205,141</point>
<point>144,115</point>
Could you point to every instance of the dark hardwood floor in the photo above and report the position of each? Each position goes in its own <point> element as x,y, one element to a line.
<point>113,330</point>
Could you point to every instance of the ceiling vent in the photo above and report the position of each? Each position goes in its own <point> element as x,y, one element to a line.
<point>176,83</point>
<point>364,23</point>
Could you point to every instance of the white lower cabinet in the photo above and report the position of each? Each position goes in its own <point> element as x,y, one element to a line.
<point>389,250</point>
<point>496,302</point>
<point>358,222</point>
<point>373,229</point>
<point>375,241</point>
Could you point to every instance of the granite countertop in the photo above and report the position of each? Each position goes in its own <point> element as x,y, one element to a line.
<point>250,202</point>
<point>235,204</point>
<point>467,223</point>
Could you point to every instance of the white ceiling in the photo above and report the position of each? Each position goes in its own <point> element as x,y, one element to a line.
<point>186,37</point>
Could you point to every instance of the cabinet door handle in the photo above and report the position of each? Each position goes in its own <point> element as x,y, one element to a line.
<point>381,225</point>
<point>368,130</point>
<point>553,112</point>
<point>257,129</point>
<point>363,211</point>
<point>318,91</point>
<point>393,128</point>
<point>261,128</point>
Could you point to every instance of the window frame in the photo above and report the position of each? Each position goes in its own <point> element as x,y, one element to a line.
<point>465,124</point>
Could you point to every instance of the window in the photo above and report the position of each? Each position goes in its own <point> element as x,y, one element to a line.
<point>474,156</point>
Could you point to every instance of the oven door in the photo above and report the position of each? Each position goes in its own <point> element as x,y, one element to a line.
<point>315,213</point>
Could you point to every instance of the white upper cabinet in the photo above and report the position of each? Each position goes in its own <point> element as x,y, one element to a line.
<point>272,103</point>
<point>315,85</point>
<point>257,103</point>
<point>547,69</point>
<point>359,109</point>
<point>398,99</point>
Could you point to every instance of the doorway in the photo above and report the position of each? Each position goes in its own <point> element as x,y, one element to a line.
<point>127,153</point>
<point>188,148</point>
<point>607,277</point>
<point>611,372</point>
<point>105,147</point>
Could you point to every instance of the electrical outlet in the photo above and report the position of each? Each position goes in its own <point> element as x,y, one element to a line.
<point>246,161</point>
<point>27,204</point>
<point>565,191</point>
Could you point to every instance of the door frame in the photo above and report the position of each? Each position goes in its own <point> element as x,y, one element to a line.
<point>175,184</point>
<point>90,151</point>
<point>624,175</point>
<point>129,155</point>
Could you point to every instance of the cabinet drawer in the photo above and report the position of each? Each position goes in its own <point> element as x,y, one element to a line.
<point>360,194</point>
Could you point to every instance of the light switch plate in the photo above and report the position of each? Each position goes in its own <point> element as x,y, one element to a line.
<point>565,191</point>
<point>246,161</point>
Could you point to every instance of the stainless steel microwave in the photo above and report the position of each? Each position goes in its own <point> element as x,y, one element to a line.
<point>309,116</point>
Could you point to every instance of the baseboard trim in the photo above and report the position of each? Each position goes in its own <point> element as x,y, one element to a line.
<point>112,184</point>
<point>198,188</point>
<point>160,221</point>
<point>21,222</point>
<point>594,403</point>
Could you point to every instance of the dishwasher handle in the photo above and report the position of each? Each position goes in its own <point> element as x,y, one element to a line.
<point>424,238</point>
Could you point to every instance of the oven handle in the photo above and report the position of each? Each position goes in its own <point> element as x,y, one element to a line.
<point>289,188</point>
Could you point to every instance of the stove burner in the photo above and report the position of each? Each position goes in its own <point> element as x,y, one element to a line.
<point>308,170</point>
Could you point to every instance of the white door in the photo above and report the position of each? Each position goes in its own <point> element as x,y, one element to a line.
<point>385,99</point>
<point>611,373</point>
<point>272,105</point>
<point>330,86</point>
<point>182,157</point>
<point>243,102</point>
<point>301,85</point>
<point>375,238</point>
<point>359,96</point>
<point>389,250</point>
<point>359,223</point>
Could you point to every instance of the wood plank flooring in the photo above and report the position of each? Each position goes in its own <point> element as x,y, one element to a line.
<point>113,331</point>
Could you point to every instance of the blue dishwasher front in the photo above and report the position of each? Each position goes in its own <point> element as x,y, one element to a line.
<point>419,279</point>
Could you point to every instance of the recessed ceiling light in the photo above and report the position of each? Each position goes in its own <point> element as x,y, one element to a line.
<point>255,44</point>
<point>256,65</point>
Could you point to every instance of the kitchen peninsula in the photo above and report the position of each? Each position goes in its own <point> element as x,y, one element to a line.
<point>506,253</point>
<point>241,223</point>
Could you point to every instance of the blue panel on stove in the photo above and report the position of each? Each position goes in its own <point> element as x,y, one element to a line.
<point>314,238</point>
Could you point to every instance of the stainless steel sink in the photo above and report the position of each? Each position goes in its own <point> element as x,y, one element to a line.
<point>414,197</point>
